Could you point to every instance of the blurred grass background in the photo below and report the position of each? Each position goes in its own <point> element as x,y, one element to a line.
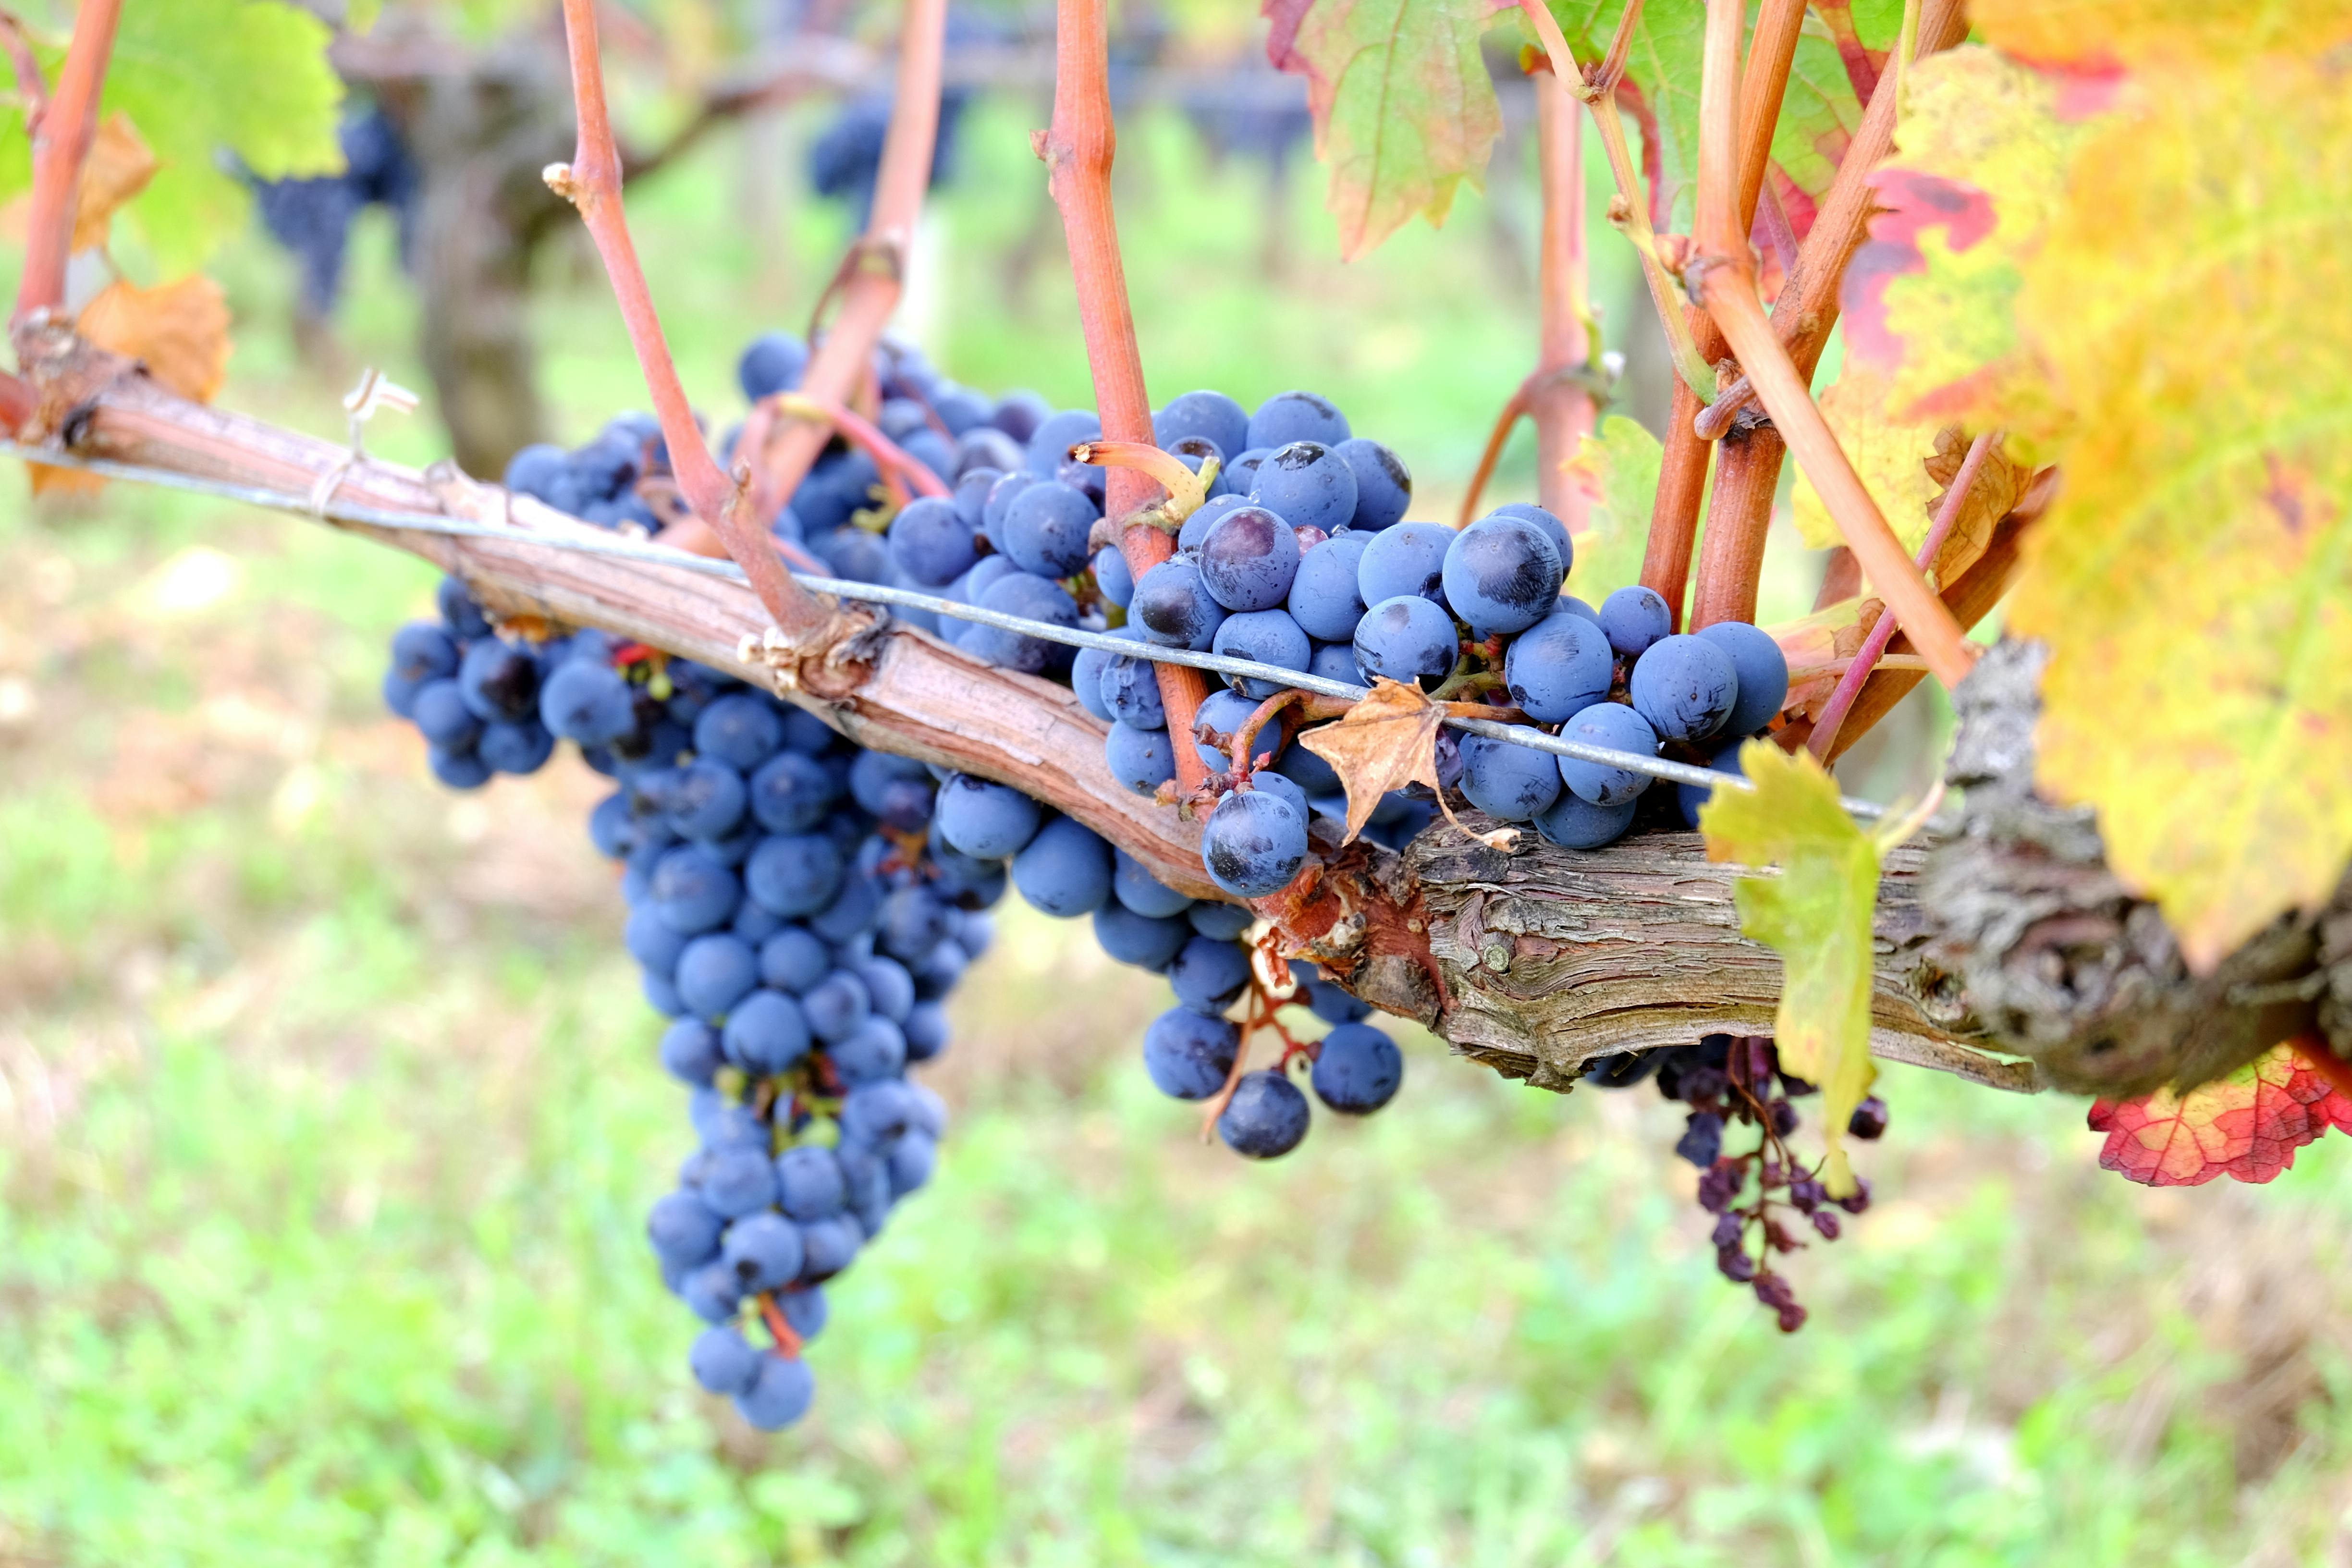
<point>328,1110</point>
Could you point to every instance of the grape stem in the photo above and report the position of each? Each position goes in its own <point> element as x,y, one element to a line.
<point>1881,632</point>
<point>788,1343</point>
<point>31,89</point>
<point>61,139</point>
<point>871,276</point>
<point>1683,466</point>
<point>1725,276</point>
<point>1215,1105</point>
<point>1748,474</point>
<point>592,183</point>
<point>1187,490</point>
<point>1311,707</point>
<point>899,470</point>
<point>1076,149</point>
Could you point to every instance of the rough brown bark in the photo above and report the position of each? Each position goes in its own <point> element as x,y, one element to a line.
<point>2059,959</point>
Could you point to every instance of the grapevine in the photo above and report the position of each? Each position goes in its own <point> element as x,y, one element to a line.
<point>1423,757</point>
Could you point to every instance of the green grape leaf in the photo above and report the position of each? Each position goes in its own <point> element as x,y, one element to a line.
<point>1818,115</point>
<point>1618,468</point>
<point>1816,913</point>
<point>203,77</point>
<point>1403,108</point>
<point>1865,32</point>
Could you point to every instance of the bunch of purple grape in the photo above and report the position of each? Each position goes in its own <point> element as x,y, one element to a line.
<point>1300,559</point>
<point>789,913</point>
<point>1760,1198</point>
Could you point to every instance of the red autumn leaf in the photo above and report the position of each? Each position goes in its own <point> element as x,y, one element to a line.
<point>2246,1126</point>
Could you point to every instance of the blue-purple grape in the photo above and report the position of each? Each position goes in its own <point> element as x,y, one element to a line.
<point>1513,782</point>
<point>1141,760</point>
<point>1357,1069</point>
<point>1046,531</point>
<point>1175,608</point>
<point>1502,574</point>
<point>1307,484</point>
<point>1558,667</point>
<point>1633,618</point>
<point>1763,671</point>
<point>1383,484</point>
<point>1210,414</point>
<point>1267,636</point>
<point>1409,558</point>
<point>931,542</point>
<point>1064,870</point>
<point>1288,416</point>
<point>1188,1054</point>
<point>1266,1117</point>
<point>1407,639</point>
<point>982,818</point>
<point>1254,842</point>
<point>1325,598</point>
<point>1619,728</point>
<point>1248,559</point>
<point>1575,823</point>
<point>1684,686</point>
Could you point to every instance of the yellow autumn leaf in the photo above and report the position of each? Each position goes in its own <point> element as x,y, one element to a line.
<point>2194,578</point>
<point>1618,468</point>
<point>1978,174</point>
<point>2191,33</point>
<point>1889,456</point>
<point>1816,913</point>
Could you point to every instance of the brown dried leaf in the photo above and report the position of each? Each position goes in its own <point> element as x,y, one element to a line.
<point>1999,483</point>
<point>118,168</point>
<point>1386,741</point>
<point>179,331</point>
<point>61,482</point>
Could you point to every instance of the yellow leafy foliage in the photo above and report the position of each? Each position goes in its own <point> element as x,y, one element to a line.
<point>2194,579</point>
<point>1889,456</point>
<point>2098,33</point>
<point>1948,338</point>
<point>1816,913</point>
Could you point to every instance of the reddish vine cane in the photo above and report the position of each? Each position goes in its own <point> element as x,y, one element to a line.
<point>61,140</point>
<point>872,275</point>
<point>1076,149</point>
<point>592,183</point>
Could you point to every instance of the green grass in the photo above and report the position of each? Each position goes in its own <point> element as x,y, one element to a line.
<point>327,1115</point>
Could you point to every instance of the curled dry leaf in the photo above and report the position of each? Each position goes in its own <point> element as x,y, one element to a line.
<point>2246,1126</point>
<point>1386,741</point>
<point>117,169</point>
<point>178,331</point>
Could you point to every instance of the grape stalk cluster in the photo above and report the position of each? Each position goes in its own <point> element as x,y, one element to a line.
<point>1763,1197</point>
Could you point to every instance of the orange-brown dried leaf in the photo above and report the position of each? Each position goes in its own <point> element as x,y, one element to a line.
<point>178,331</point>
<point>62,482</point>
<point>119,167</point>
<point>2246,1126</point>
<point>1386,741</point>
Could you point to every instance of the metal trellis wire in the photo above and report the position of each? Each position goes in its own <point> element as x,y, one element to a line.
<point>595,543</point>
